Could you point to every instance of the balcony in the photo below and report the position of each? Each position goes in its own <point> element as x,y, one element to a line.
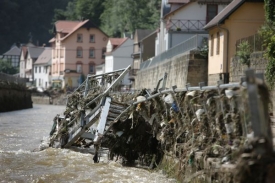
<point>185,25</point>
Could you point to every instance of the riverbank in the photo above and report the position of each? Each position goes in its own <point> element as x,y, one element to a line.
<point>14,96</point>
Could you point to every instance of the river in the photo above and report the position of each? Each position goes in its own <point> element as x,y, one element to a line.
<point>21,132</point>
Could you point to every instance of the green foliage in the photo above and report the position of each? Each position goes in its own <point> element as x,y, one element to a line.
<point>122,16</point>
<point>268,33</point>
<point>6,67</point>
<point>244,52</point>
<point>204,48</point>
<point>81,10</point>
<point>20,18</point>
<point>270,11</point>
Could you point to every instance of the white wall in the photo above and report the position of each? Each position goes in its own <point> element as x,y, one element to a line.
<point>122,58</point>
<point>109,63</point>
<point>192,11</point>
<point>43,76</point>
<point>22,66</point>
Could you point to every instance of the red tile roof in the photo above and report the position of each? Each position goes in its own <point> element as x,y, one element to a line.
<point>65,26</point>
<point>24,51</point>
<point>117,41</point>
<point>69,27</point>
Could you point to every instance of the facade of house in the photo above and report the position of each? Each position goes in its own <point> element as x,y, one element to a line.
<point>143,49</point>
<point>241,18</point>
<point>29,54</point>
<point>182,19</point>
<point>42,69</point>
<point>12,56</point>
<point>118,56</point>
<point>77,48</point>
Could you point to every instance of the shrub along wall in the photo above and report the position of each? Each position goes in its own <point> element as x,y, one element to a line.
<point>258,63</point>
<point>14,97</point>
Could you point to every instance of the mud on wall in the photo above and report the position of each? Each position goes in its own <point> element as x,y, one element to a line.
<point>186,68</point>
<point>14,97</point>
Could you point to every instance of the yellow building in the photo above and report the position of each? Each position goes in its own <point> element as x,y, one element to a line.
<point>241,18</point>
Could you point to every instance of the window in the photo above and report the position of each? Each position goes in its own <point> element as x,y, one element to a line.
<point>79,38</point>
<point>92,38</point>
<point>218,44</point>
<point>212,45</point>
<point>92,53</point>
<point>212,11</point>
<point>79,52</point>
<point>39,69</point>
<point>91,67</point>
<point>79,68</point>
<point>62,67</point>
<point>53,71</point>
<point>103,52</point>
<point>35,70</point>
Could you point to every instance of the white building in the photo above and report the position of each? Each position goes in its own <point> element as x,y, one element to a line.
<point>28,56</point>
<point>182,19</point>
<point>42,69</point>
<point>118,56</point>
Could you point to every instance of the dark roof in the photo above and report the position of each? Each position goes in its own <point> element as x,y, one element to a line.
<point>141,33</point>
<point>224,14</point>
<point>174,11</point>
<point>35,51</point>
<point>227,11</point>
<point>214,1</point>
<point>154,33</point>
<point>178,1</point>
<point>13,51</point>
<point>45,57</point>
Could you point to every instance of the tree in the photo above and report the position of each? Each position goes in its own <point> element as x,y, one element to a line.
<point>81,10</point>
<point>122,16</point>
<point>24,17</point>
<point>244,52</point>
<point>6,67</point>
<point>268,33</point>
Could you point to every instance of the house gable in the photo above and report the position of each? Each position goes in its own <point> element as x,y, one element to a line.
<point>243,20</point>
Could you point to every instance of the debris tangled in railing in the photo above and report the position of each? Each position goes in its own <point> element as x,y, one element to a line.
<point>217,133</point>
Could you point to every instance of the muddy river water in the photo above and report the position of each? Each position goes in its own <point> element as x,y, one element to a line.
<point>21,133</point>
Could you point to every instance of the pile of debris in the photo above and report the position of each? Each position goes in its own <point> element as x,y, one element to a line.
<point>213,132</point>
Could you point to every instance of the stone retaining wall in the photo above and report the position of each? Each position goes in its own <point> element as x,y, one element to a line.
<point>189,67</point>
<point>14,97</point>
<point>258,63</point>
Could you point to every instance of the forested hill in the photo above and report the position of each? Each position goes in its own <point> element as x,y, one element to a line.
<point>22,20</point>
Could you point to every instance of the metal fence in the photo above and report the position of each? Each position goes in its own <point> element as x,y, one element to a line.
<point>10,78</point>
<point>255,42</point>
<point>193,43</point>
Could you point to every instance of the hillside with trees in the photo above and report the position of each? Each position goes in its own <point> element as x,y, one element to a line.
<point>33,21</point>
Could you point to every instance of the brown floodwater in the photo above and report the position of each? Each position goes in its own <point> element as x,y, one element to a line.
<point>21,133</point>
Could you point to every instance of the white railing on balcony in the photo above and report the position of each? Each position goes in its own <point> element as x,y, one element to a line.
<point>185,25</point>
<point>193,43</point>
